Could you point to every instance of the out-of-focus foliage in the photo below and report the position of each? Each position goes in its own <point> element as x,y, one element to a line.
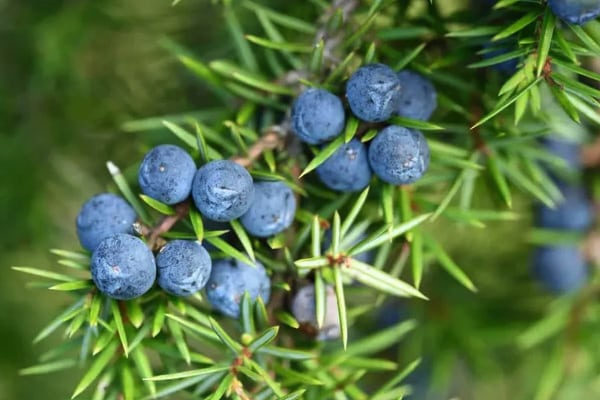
<point>70,73</point>
<point>73,72</point>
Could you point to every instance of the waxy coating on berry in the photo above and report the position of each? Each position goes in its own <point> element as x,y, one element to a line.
<point>271,211</point>
<point>574,212</point>
<point>183,267</point>
<point>317,116</point>
<point>372,92</point>
<point>347,169</point>
<point>123,267</point>
<point>399,155</point>
<point>304,310</point>
<point>166,174</point>
<point>222,190</point>
<point>576,12</point>
<point>417,98</point>
<point>560,269</point>
<point>101,216</point>
<point>230,279</point>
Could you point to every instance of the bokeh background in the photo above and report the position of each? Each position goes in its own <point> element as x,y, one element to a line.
<point>73,72</point>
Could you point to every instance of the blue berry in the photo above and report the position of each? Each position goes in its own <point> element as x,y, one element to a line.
<point>183,267</point>
<point>418,98</point>
<point>229,280</point>
<point>303,308</point>
<point>317,116</point>
<point>222,190</point>
<point>576,12</point>
<point>346,170</point>
<point>399,155</point>
<point>568,151</point>
<point>372,92</point>
<point>123,267</point>
<point>166,174</point>
<point>271,211</point>
<point>561,269</point>
<point>573,213</point>
<point>101,216</point>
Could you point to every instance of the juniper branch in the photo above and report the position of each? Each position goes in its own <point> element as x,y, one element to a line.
<point>269,141</point>
<point>165,225</point>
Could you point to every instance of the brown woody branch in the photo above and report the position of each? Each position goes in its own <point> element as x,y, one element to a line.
<point>269,141</point>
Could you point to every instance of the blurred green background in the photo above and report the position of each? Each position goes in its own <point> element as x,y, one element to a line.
<point>72,72</point>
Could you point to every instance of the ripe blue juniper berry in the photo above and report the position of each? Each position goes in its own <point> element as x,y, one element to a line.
<point>399,155</point>
<point>574,213</point>
<point>560,268</point>
<point>347,169</point>
<point>567,150</point>
<point>101,216</point>
<point>228,281</point>
<point>166,174</point>
<point>418,98</point>
<point>271,211</point>
<point>183,267</point>
<point>304,310</point>
<point>123,267</point>
<point>222,190</point>
<point>576,12</point>
<point>372,92</point>
<point>317,116</point>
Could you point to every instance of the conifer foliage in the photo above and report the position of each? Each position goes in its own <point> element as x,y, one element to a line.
<point>258,251</point>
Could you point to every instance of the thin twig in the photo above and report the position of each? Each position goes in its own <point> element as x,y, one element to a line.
<point>591,246</point>
<point>269,141</point>
<point>478,141</point>
<point>590,154</point>
<point>181,211</point>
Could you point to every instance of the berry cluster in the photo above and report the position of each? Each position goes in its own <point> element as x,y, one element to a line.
<point>374,93</point>
<point>124,267</point>
<point>562,268</point>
